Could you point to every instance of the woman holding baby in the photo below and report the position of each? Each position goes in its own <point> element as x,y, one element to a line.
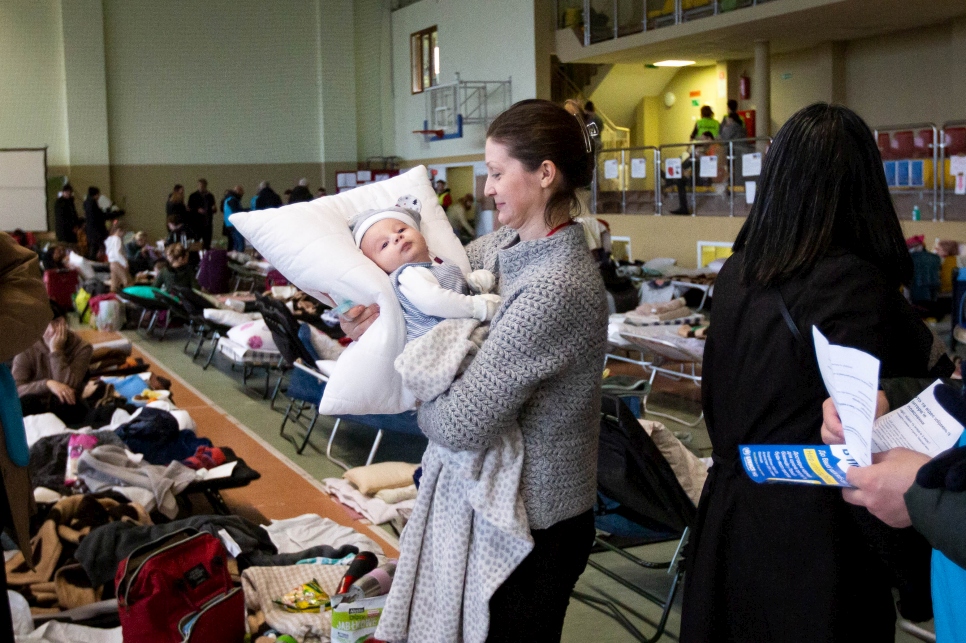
<point>540,368</point>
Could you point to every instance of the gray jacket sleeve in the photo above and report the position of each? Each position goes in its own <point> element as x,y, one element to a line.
<point>940,516</point>
<point>536,338</point>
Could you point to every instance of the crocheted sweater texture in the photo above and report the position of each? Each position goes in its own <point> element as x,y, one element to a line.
<point>540,368</point>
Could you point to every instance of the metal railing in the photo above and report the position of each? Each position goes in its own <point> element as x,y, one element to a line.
<point>633,180</point>
<point>908,146</point>
<point>945,144</point>
<point>915,158</point>
<point>600,20</point>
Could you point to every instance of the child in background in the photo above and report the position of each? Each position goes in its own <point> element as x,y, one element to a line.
<point>114,246</point>
<point>429,289</point>
<point>178,272</point>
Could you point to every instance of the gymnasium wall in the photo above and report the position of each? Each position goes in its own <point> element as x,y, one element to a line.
<point>490,40</point>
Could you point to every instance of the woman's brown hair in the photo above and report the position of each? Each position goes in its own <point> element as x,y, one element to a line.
<point>534,131</point>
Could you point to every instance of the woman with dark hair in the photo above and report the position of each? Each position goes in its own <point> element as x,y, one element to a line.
<point>821,247</point>
<point>540,368</point>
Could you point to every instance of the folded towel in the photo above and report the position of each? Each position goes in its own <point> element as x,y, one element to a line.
<point>638,319</point>
<point>383,475</point>
<point>662,307</point>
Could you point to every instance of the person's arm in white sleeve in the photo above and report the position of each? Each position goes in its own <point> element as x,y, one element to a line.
<point>422,289</point>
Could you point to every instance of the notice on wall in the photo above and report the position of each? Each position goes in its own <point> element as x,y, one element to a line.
<point>750,188</point>
<point>960,184</point>
<point>638,168</point>
<point>363,176</point>
<point>610,169</point>
<point>751,164</point>
<point>672,168</point>
<point>346,179</point>
<point>957,165</point>
<point>709,167</point>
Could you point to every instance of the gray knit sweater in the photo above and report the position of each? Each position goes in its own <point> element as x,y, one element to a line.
<point>540,368</point>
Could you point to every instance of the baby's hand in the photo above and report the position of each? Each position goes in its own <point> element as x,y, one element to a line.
<point>481,281</point>
<point>484,306</point>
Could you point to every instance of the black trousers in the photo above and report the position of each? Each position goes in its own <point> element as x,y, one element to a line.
<point>531,604</point>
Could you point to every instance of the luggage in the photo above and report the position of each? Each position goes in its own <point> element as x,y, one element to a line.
<point>108,312</point>
<point>178,588</point>
<point>82,300</point>
<point>61,284</point>
<point>213,274</point>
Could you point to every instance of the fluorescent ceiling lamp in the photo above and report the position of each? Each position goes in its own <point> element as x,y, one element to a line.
<point>674,63</point>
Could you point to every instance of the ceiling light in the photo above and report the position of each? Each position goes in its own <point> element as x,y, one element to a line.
<point>674,63</point>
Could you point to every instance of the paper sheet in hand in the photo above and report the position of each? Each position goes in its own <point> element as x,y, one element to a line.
<point>852,379</point>
<point>921,425</point>
<point>801,464</point>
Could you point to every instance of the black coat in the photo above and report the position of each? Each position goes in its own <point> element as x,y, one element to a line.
<point>65,219</point>
<point>299,194</point>
<point>267,198</point>
<point>200,211</point>
<point>790,562</point>
<point>95,225</point>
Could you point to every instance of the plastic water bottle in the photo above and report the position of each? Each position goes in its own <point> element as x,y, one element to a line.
<point>916,215</point>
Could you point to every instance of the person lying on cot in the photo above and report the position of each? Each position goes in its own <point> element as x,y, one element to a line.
<point>429,288</point>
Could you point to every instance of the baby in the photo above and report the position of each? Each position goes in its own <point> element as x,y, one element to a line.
<point>429,289</point>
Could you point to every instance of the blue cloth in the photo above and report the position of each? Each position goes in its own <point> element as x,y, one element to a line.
<point>231,206</point>
<point>128,386</point>
<point>11,419</point>
<point>949,594</point>
<point>154,433</point>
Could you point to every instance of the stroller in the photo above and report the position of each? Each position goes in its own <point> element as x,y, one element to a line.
<point>639,501</point>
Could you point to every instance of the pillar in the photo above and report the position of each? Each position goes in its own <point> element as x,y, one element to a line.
<point>761,89</point>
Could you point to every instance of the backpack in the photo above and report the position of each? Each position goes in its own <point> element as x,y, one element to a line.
<point>178,588</point>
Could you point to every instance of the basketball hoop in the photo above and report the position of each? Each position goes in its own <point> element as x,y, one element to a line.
<point>438,133</point>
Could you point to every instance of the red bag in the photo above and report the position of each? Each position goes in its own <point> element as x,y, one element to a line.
<point>178,588</point>
<point>61,285</point>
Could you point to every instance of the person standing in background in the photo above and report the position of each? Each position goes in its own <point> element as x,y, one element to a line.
<point>95,221</point>
<point>230,206</point>
<point>117,259</point>
<point>201,208</point>
<point>266,197</point>
<point>706,124</point>
<point>176,205</point>
<point>66,220</point>
<point>24,313</point>
<point>300,192</point>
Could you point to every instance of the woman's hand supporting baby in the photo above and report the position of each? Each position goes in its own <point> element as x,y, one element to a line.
<point>358,319</point>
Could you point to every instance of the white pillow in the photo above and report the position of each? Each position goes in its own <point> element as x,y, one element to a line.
<point>660,263</point>
<point>311,245</point>
<point>228,317</point>
<point>254,335</point>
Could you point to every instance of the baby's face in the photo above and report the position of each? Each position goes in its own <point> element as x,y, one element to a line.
<point>391,243</point>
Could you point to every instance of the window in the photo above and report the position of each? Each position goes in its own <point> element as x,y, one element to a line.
<point>424,54</point>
